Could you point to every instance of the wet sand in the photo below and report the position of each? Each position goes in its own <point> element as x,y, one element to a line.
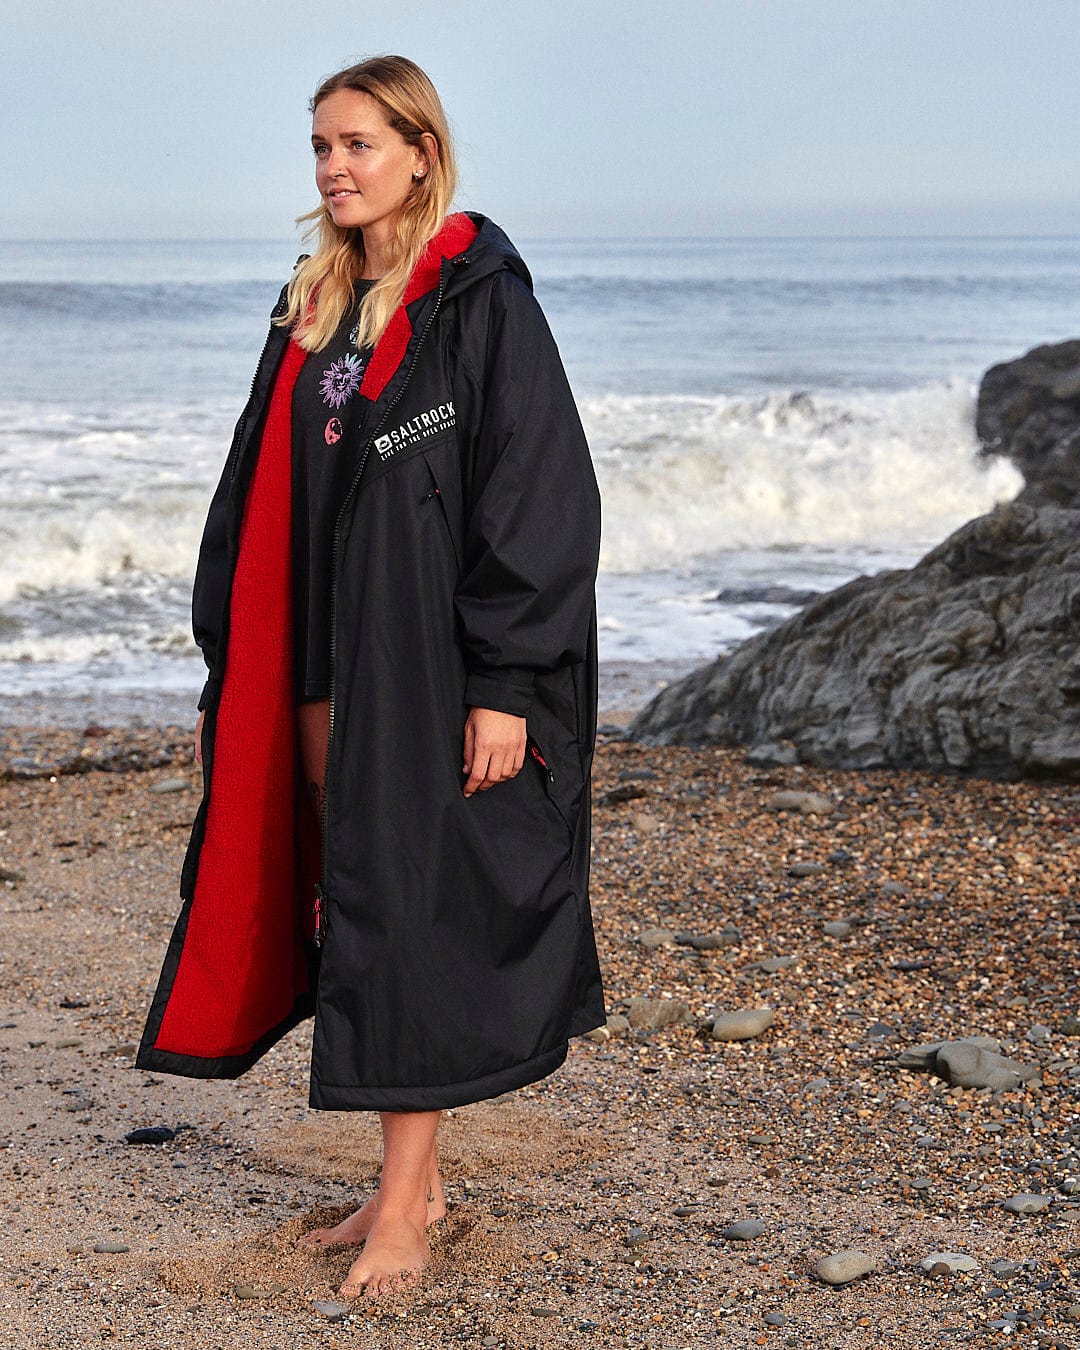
<point>590,1209</point>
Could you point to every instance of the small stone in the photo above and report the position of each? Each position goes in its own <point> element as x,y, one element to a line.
<point>844,1266</point>
<point>543,1312</point>
<point>773,964</point>
<point>954,1263</point>
<point>250,1291</point>
<point>711,942</point>
<point>1003,1270</point>
<point>685,1211</point>
<point>742,1024</point>
<point>771,754</point>
<point>652,938</point>
<point>169,785</point>
<point>894,888</point>
<point>1026,1203</point>
<point>150,1134</point>
<point>806,869</point>
<point>966,1064</point>
<point>617,1023</point>
<point>878,1031</point>
<point>1071,1026</point>
<point>809,803</point>
<point>625,792</point>
<point>761,1140</point>
<point>837,928</point>
<point>644,823</point>
<point>1038,1034</point>
<point>68,1043</point>
<point>744,1230</point>
<point>775,1319</point>
<point>654,1013</point>
<point>636,1237</point>
<point>333,1311</point>
<point>599,1035</point>
<point>1072,1313</point>
<point>113,1248</point>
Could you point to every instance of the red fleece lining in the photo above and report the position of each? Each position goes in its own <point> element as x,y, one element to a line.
<point>240,971</point>
<point>455,237</point>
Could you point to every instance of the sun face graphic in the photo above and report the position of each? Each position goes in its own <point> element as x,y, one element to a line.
<point>341,381</point>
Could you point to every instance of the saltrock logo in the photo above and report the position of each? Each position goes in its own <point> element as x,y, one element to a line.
<point>419,428</point>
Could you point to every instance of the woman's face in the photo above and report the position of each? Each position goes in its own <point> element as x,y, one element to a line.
<point>363,167</point>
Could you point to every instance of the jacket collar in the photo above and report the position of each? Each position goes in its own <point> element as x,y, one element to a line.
<point>457,234</point>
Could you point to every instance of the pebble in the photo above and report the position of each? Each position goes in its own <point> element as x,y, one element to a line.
<point>844,1266</point>
<point>150,1134</point>
<point>1003,1270</point>
<point>1072,1313</point>
<point>169,785</point>
<point>806,869</point>
<point>652,938</point>
<point>954,1263</point>
<point>1026,1203</point>
<point>654,1013</point>
<point>742,1024</point>
<point>112,1248</point>
<point>772,964</point>
<point>1071,1026</point>
<point>809,803</point>
<point>1038,1034</point>
<point>837,928</point>
<point>250,1291</point>
<point>775,1319</point>
<point>636,1237</point>
<point>334,1311</point>
<point>744,1230</point>
<point>644,823</point>
<point>711,942</point>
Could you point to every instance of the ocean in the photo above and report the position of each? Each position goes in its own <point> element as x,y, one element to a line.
<point>768,418</point>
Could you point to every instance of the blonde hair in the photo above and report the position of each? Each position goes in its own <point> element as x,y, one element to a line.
<point>321,289</point>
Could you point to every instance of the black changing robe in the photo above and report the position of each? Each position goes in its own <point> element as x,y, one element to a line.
<point>457,952</point>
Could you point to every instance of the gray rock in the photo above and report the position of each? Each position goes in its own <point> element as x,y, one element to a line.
<point>1004,1270</point>
<point>1026,1203</point>
<point>169,785</point>
<point>644,823</point>
<point>957,1262</point>
<point>742,1024</point>
<point>971,1066</point>
<point>773,964</point>
<point>808,803</point>
<point>1072,1313</point>
<point>711,942</point>
<point>837,928</point>
<point>744,1230</point>
<point>251,1291</point>
<point>772,755</point>
<point>775,1319</point>
<point>112,1248</point>
<point>653,1013</point>
<point>652,938</point>
<point>806,869</point>
<point>1071,1026</point>
<point>1038,1034</point>
<point>968,661</point>
<point>844,1266</point>
<point>925,1056</point>
<point>1029,409</point>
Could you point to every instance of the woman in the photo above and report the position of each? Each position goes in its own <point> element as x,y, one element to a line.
<point>394,598</point>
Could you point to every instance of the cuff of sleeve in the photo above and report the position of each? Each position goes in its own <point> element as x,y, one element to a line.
<point>508,690</point>
<point>209,691</point>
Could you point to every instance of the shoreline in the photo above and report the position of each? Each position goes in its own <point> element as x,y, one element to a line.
<point>591,1208</point>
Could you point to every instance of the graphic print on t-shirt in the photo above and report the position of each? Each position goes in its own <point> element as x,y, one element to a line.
<point>342,380</point>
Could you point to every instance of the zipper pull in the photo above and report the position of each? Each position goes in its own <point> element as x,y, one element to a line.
<point>319,898</point>
<point>431,495</point>
<point>535,751</point>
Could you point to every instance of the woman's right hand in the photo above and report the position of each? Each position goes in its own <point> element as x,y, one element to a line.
<point>198,736</point>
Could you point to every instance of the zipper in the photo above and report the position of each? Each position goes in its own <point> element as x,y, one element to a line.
<point>534,750</point>
<point>241,426</point>
<point>320,894</point>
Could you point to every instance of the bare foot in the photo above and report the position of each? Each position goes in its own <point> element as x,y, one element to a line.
<point>350,1232</point>
<point>392,1258</point>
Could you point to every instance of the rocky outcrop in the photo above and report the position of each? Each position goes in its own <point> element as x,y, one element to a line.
<point>968,661</point>
<point>1029,410</point>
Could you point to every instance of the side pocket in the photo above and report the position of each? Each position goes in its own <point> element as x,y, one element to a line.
<point>535,756</point>
<point>445,503</point>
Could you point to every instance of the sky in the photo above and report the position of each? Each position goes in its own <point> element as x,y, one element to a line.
<point>188,118</point>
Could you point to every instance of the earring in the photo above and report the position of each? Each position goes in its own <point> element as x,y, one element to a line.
<point>417,177</point>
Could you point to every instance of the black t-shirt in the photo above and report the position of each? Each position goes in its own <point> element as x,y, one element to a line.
<point>326,407</point>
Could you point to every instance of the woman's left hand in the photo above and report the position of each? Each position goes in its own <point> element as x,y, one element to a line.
<point>494,748</point>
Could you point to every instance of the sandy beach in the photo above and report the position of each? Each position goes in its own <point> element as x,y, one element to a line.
<point>592,1209</point>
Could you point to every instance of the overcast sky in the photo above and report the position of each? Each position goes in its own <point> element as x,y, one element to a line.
<point>180,118</point>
